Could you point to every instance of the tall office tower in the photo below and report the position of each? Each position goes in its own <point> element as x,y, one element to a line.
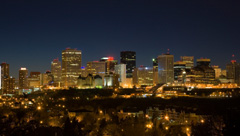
<point>110,63</point>
<point>129,58</point>
<point>56,70</point>
<point>12,84</point>
<point>179,68</point>
<point>165,68</point>
<point>5,77</point>
<point>189,61</point>
<point>233,71</point>
<point>203,72</point>
<point>23,78</point>
<point>120,69</point>
<point>34,80</point>
<point>218,71</point>
<point>71,66</point>
<point>143,76</point>
<point>96,68</point>
<point>155,71</point>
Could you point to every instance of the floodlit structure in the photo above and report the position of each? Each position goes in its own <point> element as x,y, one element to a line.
<point>165,68</point>
<point>71,66</point>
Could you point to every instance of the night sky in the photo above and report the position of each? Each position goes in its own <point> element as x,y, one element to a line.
<point>34,32</point>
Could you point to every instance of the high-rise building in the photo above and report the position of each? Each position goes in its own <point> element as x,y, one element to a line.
<point>165,68</point>
<point>233,71</point>
<point>179,68</point>
<point>129,58</point>
<point>218,71</point>
<point>189,60</point>
<point>120,69</point>
<point>96,68</point>
<point>34,80</point>
<point>12,84</point>
<point>71,66</point>
<point>110,63</point>
<point>23,78</point>
<point>155,71</point>
<point>203,72</point>
<point>56,70</point>
<point>5,77</point>
<point>143,76</point>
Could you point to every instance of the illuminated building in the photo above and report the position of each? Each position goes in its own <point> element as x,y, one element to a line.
<point>56,70</point>
<point>165,68</point>
<point>143,76</point>
<point>224,72</point>
<point>233,71</point>
<point>203,73</point>
<point>5,77</point>
<point>34,80</point>
<point>179,69</point>
<point>128,58</point>
<point>189,61</point>
<point>108,80</point>
<point>155,71</point>
<point>96,68</point>
<point>71,66</point>
<point>44,79</point>
<point>12,84</point>
<point>83,71</point>
<point>120,69</point>
<point>218,71</point>
<point>110,63</point>
<point>90,81</point>
<point>23,78</point>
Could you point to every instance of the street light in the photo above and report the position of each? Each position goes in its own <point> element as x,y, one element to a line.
<point>39,108</point>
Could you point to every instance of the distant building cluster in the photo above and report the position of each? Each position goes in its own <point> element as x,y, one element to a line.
<point>109,73</point>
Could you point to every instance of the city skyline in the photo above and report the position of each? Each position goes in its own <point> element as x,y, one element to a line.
<point>15,73</point>
<point>35,33</point>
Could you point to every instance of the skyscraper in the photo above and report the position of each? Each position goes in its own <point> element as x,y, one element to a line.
<point>56,70</point>
<point>5,77</point>
<point>143,76</point>
<point>71,66</point>
<point>155,71</point>
<point>110,63</point>
<point>96,68</point>
<point>165,68</point>
<point>129,58</point>
<point>179,68</point>
<point>23,78</point>
<point>233,71</point>
<point>189,60</point>
<point>120,69</point>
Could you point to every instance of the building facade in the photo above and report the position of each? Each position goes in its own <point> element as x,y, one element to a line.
<point>129,58</point>
<point>71,66</point>
<point>56,70</point>
<point>179,69</point>
<point>143,76</point>
<point>165,68</point>
<point>233,71</point>
<point>120,69</point>
<point>96,68</point>
<point>189,60</point>
<point>23,78</point>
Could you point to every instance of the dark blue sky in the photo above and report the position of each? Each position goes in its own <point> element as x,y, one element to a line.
<point>34,32</point>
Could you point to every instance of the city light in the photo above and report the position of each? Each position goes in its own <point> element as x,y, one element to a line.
<point>39,108</point>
